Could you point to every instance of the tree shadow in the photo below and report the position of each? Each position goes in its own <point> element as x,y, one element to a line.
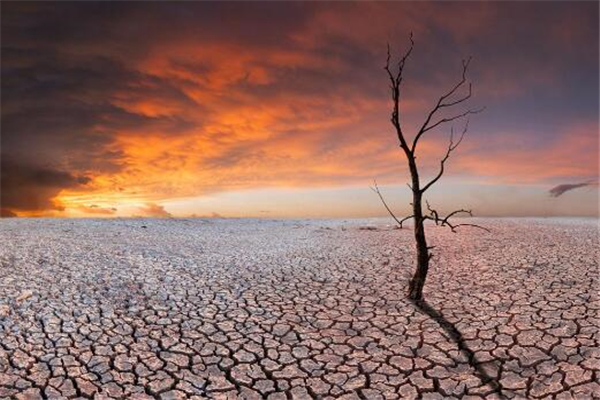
<point>457,337</point>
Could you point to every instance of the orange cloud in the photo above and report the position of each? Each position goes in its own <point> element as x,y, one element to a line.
<point>154,210</point>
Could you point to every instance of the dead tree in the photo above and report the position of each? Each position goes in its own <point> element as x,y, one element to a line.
<point>448,101</point>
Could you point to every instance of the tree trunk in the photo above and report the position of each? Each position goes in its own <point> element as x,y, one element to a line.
<point>415,288</point>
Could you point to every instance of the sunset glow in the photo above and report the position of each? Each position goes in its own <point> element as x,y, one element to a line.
<point>282,109</point>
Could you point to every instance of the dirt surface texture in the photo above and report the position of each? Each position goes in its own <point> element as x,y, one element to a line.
<point>296,309</point>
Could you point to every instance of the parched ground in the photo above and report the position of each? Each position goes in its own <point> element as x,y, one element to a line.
<point>246,309</point>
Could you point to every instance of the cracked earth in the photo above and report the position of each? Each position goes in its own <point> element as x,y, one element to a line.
<point>246,309</point>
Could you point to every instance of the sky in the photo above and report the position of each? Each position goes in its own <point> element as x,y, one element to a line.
<point>281,109</point>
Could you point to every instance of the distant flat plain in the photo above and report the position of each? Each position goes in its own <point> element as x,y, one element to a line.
<point>296,309</point>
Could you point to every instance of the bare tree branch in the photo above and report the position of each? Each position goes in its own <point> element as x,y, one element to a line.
<point>451,147</point>
<point>395,82</point>
<point>460,100</point>
<point>453,227</point>
<point>435,217</point>
<point>453,118</point>
<point>434,214</point>
<point>463,79</point>
<point>441,104</point>
<point>375,188</point>
<point>453,213</point>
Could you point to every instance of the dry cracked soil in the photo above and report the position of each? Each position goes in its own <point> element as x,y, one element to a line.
<point>256,309</point>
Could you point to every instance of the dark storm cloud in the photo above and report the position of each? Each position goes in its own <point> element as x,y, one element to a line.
<point>6,213</point>
<point>27,187</point>
<point>61,109</point>
<point>129,26</point>
<point>66,67</point>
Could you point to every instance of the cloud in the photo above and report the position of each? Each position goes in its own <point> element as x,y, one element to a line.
<point>154,210</point>
<point>33,188</point>
<point>187,103</point>
<point>559,190</point>
<point>6,213</point>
